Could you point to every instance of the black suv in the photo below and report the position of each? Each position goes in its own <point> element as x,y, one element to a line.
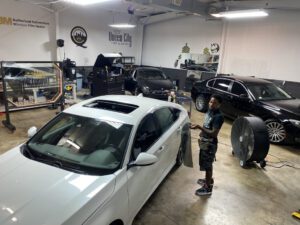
<point>247,96</point>
<point>152,82</point>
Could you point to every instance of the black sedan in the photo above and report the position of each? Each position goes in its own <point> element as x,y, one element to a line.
<point>152,82</point>
<point>247,96</point>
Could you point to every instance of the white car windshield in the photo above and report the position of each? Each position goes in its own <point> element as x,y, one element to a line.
<point>88,143</point>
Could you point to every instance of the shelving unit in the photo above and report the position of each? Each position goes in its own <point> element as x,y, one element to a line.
<point>27,85</point>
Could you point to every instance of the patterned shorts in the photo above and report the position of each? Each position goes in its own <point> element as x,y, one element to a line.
<point>207,155</point>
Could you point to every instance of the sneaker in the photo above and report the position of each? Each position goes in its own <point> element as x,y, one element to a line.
<point>203,181</point>
<point>204,190</point>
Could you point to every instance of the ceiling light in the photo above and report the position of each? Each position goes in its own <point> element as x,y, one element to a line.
<point>85,2</point>
<point>123,25</point>
<point>241,14</point>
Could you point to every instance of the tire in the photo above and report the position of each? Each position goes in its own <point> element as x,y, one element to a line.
<point>179,158</point>
<point>276,130</point>
<point>201,103</point>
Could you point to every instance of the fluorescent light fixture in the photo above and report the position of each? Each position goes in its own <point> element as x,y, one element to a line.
<point>123,25</point>
<point>85,2</point>
<point>241,14</point>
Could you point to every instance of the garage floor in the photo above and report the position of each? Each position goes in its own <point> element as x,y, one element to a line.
<point>240,196</point>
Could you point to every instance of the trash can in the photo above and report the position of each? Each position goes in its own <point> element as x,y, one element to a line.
<point>79,78</point>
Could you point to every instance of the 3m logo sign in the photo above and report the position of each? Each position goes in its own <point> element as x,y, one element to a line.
<point>6,21</point>
<point>177,2</point>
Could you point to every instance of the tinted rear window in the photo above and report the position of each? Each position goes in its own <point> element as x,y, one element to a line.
<point>222,84</point>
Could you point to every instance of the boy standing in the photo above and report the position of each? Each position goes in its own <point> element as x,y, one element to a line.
<point>208,143</point>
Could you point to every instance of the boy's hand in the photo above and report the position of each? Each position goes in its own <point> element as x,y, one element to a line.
<point>194,126</point>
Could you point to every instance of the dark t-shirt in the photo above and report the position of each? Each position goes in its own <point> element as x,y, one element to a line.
<point>213,120</point>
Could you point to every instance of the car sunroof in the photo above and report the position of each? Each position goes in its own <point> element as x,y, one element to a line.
<point>112,106</point>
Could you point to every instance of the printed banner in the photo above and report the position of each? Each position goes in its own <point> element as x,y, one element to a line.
<point>11,21</point>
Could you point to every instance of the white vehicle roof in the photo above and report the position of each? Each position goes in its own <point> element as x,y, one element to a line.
<point>145,105</point>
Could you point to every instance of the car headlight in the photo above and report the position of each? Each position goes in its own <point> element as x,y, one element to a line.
<point>146,90</point>
<point>296,123</point>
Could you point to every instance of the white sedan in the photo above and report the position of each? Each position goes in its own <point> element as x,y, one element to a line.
<point>96,163</point>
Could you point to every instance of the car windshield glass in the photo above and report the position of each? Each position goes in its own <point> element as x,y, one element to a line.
<point>268,92</point>
<point>151,75</point>
<point>89,143</point>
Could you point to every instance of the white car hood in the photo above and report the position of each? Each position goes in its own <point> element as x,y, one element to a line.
<point>34,193</point>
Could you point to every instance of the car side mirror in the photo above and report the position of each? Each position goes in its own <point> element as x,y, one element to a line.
<point>143,159</point>
<point>245,97</point>
<point>31,132</point>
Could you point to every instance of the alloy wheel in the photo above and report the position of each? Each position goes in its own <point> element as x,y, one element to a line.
<point>276,130</point>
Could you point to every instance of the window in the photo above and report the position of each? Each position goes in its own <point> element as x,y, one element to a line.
<point>266,91</point>
<point>165,118</point>
<point>238,89</point>
<point>222,84</point>
<point>93,144</point>
<point>151,74</point>
<point>211,83</point>
<point>146,135</point>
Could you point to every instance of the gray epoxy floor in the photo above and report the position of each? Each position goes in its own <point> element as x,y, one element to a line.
<point>240,196</point>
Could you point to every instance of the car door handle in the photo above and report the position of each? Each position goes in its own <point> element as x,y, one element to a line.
<point>161,148</point>
<point>179,129</point>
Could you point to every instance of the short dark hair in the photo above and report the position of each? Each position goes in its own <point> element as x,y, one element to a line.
<point>217,97</point>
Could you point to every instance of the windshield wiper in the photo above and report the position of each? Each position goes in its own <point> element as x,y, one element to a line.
<point>60,164</point>
<point>41,158</point>
<point>25,149</point>
<point>49,161</point>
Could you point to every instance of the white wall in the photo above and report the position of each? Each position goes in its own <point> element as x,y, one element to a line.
<point>163,41</point>
<point>266,47</point>
<point>95,22</point>
<point>26,42</point>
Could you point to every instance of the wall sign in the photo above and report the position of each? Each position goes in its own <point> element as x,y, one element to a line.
<point>117,37</point>
<point>79,36</point>
<point>214,48</point>
<point>11,21</point>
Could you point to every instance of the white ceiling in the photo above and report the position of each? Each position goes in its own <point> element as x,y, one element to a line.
<point>118,6</point>
<point>148,8</point>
